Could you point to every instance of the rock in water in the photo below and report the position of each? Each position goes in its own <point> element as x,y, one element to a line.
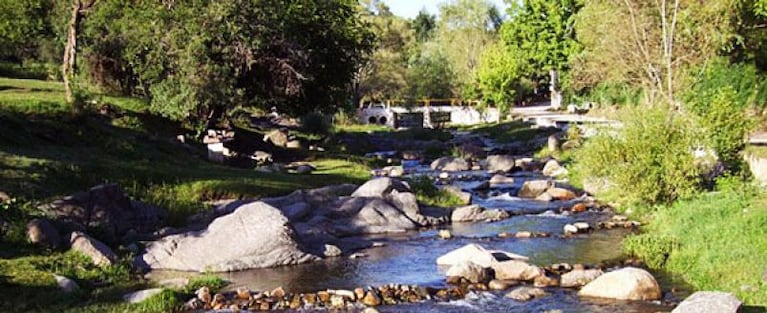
<point>475,213</point>
<point>516,270</point>
<point>709,302</point>
<point>578,278</point>
<point>99,253</point>
<point>628,283</point>
<point>553,169</point>
<point>525,293</point>
<point>450,164</point>
<point>332,251</point>
<point>500,163</point>
<point>255,235</point>
<point>470,271</point>
<point>477,254</point>
<point>533,188</point>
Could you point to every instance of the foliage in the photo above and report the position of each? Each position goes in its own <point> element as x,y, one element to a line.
<point>726,127</point>
<point>748,86</point>
<point>201,59</point>
<point>424,24</point>
<point>716,236</point>
<point>214,283</point>
<point>544,33</point>
<point>465,29</point>
<point>315,123</point>
<point>648,160</point>
<point>430,74</point>
<point>427,193</point>
<point>609,94</point>
<point>24,28</point>
<point>501,76</point>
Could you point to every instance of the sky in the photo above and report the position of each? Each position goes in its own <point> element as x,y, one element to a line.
<point>410,8</point>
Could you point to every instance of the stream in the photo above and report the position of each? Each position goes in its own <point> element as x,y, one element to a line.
<point>410,258</point>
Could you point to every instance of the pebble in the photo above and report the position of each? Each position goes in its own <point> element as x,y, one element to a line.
<point>445,234</point>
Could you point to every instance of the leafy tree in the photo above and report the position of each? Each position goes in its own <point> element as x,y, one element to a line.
<point>424,25</point>
<point>196,60</point>
<point>544,32</point>
<point>430,75</point>
<point>24,26</point>
<point>501,75</point>
<point>465,29</point>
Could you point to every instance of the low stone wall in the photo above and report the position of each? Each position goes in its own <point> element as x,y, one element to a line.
<point>758,167</point>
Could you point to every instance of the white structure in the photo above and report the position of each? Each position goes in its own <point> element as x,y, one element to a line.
<point>426,116</point>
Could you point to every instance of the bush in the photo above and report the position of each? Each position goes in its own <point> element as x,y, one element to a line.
<point>428,194</point>
<point>648,160</point>
<point>315,123</point>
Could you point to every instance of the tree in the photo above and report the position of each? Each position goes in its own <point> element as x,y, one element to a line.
<point>544,32</point>
<point>430,75</point>
<point>424,25</point>
<point>465,29</point>
<point>501,75</point>
<point>651,42</point>
<point>24,25</point>
<point>196,60</point>
<point>69,63</point>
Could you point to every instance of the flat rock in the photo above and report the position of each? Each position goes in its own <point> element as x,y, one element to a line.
<point>498,179</point>
<point>255,235</point>
<point>477,254</point>
<point>475,213</point>
<point>628,283</point>
<point>141,295</point>
<point>533,188</point>
<point>380,187</point>
<point>99,253</point>
<point>709,302</point>
<point>450,164</point>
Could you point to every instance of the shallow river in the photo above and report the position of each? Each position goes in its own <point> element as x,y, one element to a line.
<point>410,258</point>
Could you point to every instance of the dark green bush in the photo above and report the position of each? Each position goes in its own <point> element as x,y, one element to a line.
<point>315,123</point>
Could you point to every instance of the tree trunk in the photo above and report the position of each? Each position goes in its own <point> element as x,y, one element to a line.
<point>70,51</point>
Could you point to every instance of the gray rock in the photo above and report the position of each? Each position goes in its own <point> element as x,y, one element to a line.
<point>394,171</point>
<point>99,253</point>
<point>262,157</point>
<point>624,284</point>
<point>528,164</point>
<point>141,295</point>
<point>450,164</point>
<point>709,302</point>
<point>497,284</point>
<point>533,188</point>
<point>293,144</point>
<point>304,169</point>
<point>526,293</point>
<point>553,169</point>
<point>500,163</point>
<point>578,278</point>
<point>475,213</point>
<point>375,217</point>
<point>470,271</point>
<point>108,209</point>
<point>255,235</point>
<point>380,187</point>
<point>553,143</point>
<point>498,179</point>
<point>40,231</point>
<point>65,284</point>
<point>332,251</point>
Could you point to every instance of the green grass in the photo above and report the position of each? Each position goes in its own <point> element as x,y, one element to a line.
<point>430,195</point>
<point>715,241</point>
<point>46,153</point>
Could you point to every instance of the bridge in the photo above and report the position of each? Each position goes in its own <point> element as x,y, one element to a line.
<point>427,113</point>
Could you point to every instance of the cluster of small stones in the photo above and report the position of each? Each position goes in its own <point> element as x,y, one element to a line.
<point>617,221</point>
<point>524,234</point>
<point>278,299</point>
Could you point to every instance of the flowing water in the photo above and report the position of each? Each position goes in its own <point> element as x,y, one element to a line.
<point>410,258</point>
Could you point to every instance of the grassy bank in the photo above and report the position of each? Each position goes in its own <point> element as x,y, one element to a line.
<point>46,153</point>
<point>715,241</point>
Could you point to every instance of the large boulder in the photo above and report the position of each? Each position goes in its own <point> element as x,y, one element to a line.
<point>478,255</point>
<point>380,187</point>
<point>375,217</point>
<point>99,253</point>
<point>533,188</point>
<point>709,302</point>
<point>470,271</point>
<point>450,164</point>
<point>579,277</point>
<point>523,294</point>
<point>628,283</point>
<point>554,169</point>
<point>516,270</point>
<point>40,231</point>
<point>500,163</point>
<point>255,235</point>
<point>475,213</point>
<point>108,209</point>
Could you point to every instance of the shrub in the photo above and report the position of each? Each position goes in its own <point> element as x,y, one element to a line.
<point>428,194</point>
<point>648,160</point>
<point>726,126</point>
<point>652,248</point>
<point>315,123</point>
